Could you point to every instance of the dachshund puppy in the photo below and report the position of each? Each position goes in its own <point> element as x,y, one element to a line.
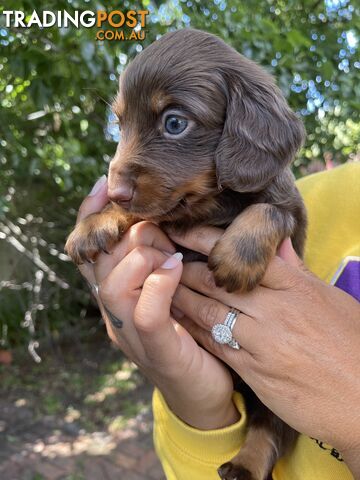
<point>207,139</point>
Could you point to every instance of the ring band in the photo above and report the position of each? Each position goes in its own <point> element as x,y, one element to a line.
<point>222,332</point>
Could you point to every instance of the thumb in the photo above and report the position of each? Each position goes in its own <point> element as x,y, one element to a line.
<point>95,201</point>
<point>152,313</point>
<point>286,252</point>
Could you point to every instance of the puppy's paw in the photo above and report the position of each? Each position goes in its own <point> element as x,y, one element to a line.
<point>229,471</point>
<point>97,233</point>
<point>239,263</point>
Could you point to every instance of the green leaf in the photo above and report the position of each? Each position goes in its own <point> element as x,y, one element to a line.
<point>297,39</point>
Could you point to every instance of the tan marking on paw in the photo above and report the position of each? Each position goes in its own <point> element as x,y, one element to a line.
<point>240,257</point>
<point>97,233</point>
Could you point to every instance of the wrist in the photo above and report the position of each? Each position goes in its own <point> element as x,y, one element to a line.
<point>199,414</point>
<point>200,400</point>
<point>204,419</point>
<point>198,445</point>
<point>349,447</point>
<point>352,460</point>
<point>347,440</point>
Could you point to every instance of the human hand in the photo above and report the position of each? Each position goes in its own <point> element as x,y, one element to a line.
<point>299,336</point>
<point>136,283</point>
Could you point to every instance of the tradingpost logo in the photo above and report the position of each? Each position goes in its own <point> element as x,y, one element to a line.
<point>114,25</point>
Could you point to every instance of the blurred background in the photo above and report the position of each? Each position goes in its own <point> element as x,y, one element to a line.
<point>60,378</point>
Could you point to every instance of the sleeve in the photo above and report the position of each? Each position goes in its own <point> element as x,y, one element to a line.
<point>333,204</point>
<point>186,452</point>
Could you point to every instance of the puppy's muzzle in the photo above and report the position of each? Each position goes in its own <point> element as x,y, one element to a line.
<point>122,192</point>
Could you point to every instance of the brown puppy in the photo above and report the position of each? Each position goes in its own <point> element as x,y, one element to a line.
<point>207,138</point>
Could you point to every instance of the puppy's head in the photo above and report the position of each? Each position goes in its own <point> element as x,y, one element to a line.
<point>196,115</point>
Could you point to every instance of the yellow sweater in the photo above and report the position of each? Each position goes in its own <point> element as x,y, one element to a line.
<point>333,253</point>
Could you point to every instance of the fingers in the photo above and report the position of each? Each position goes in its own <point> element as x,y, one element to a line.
<point>242,361</point>
<point>126,339</point>
<point>140,234</point>
<point>146,233</point>
<point>286,269</point>
<point>129,275</point>
<point>206,312</point>
<point>278,275</point>
<point>87,271</point>
<point>198,277</point>
<point>199,239</point>
<point>95,201</point>
<point>119,292</point>
<point>152,313</point>
<point>286,252</point>
<point>281,273</point>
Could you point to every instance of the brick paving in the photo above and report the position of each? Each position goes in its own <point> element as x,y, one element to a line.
<point>125,455</point>
<point>58,419</point>
<point>34,446</point>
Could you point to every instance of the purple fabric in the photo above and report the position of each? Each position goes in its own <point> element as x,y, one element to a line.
<point>349,279</point>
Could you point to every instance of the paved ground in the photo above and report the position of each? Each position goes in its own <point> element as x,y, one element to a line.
<point>128,455</point>
<point>86,416</point>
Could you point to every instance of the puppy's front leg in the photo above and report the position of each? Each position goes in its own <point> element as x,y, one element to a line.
<point>240,257</point>
<point>98,232</point>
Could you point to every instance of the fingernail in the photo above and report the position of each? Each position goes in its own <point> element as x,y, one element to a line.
<point>168,254</point>
<point>96,188</point>
<point>172,261</point>
<point>176,313</point>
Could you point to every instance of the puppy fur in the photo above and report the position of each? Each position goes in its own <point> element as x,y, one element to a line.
<point>230,169</point>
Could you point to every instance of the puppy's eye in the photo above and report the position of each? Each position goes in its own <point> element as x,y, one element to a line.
<point>174,125</point>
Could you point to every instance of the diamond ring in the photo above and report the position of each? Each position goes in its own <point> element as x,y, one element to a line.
<point>222,332</point>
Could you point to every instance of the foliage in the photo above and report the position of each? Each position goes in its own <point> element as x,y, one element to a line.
<point>311,48</point>
<point>55,140</point>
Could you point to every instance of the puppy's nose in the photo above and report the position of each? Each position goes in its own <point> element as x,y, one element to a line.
<point>122,193</point>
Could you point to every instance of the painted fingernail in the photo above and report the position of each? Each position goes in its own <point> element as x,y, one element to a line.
<point>172,261</point>
<point>96,188</point>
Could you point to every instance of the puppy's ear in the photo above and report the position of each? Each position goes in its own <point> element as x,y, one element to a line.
<point>260,136</point>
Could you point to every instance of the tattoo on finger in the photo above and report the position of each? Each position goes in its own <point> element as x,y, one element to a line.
<point>114,320</point>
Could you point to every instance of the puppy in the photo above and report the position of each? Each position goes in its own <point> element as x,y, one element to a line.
<point>207,139</point>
